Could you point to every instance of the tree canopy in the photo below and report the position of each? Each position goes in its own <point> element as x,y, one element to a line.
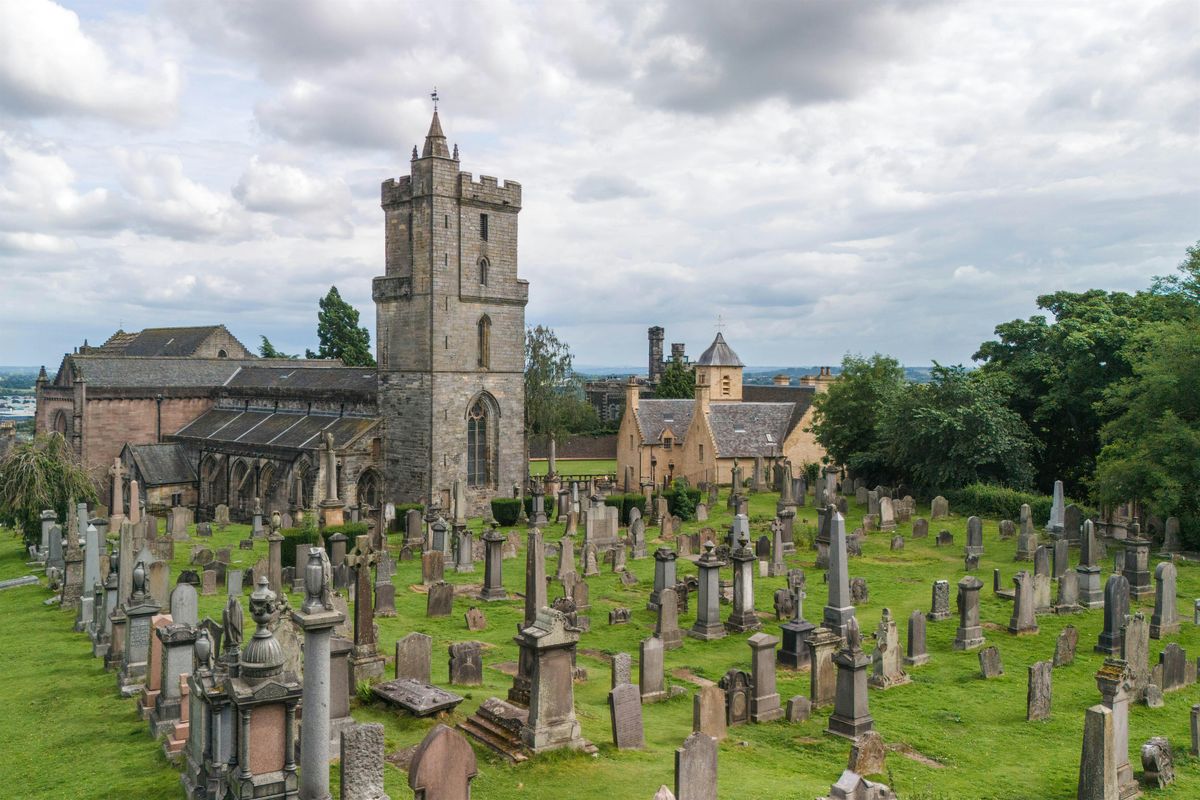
<point>38,474</point>
<point>339,334</point>
<point>554,402</point>
<point>845,417</point>
<point>267,350</point>
<point>678,383</point>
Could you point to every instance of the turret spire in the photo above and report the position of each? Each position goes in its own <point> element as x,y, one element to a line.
<point>435,140</point>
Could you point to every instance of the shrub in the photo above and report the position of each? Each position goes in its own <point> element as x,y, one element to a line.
<point>625,502</point>
<point>402,509</point>
<point>350,530</point>
<point>682,500</point>
<point>989,500</point>
<point>506,510</point>
<point>296,536</point>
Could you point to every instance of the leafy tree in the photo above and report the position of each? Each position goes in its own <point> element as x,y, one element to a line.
<point>38,474</point>
<point>1186,285</point>
<point>267,350</point>
<point>1151,452</point>
<point>678,383</point>
<point>1055,374</point>
<point>845,417</point>
<point>339,333</point>
<point>554,401</point>
<point>956,430</point>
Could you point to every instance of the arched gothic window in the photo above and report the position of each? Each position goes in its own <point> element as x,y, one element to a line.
<point>485,342</point>
<point>480,454</point>
<point>60,423</point>
<point>483,271</point>
<point>368,489</point>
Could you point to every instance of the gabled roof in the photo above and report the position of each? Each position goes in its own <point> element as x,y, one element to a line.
<point>655,416</point>
<point>182,341</point>
<point>281,379</point>
<point>743,430</point>
<point>162,464</point>
<point>719,354</point>
<point>801,398</point>
<point>124,372</point>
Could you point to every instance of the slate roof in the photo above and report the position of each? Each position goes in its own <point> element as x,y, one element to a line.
<point>655,416</point>
<point>124,372</point>
<point>276,430</point>
<point>741,429</point>
<point>183,341</point>
<point>719,354</point>
<point>801,397</point>
<point>279,379</point>
<point>162,464</point>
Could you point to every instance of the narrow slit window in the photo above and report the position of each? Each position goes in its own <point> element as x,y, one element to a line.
<point>483,227</point>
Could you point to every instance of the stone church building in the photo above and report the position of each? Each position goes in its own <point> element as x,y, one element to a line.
<point>198,420</point>
<point>700,439</point>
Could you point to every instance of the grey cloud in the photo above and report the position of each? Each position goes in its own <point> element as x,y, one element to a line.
<point>602,186</point>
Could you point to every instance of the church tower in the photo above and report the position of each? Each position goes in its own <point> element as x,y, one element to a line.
<point>450,331</point>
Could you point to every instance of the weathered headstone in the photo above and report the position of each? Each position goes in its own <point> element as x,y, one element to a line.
<point>1097,767</point>
<point>920,528</point>
<point>362,762</point>
<point>708,711</point>
<point>651,679</point>
<point>868,754</point>
<point>414,656</point>
<point>1158,763</point>
<point>696,768</point>
<point>1065,646</point>
<point>970,632</point>
<point>974,536</point>
<point>886,660</point>
<point>1165,620</point>
<point>466,664</point>
<point>1116,607</point>
<point>799,709</point>
<point>625,714</point>
<point>764,704</point>
<point>739,694</point>
<point>851,717</point>
<point>1023,619</point>
<point>990,664</point>
<point>443,766</point>
<point>939,608</point>
<point>939,508</point>
<point>440,602</point>
<point>1037,704</point>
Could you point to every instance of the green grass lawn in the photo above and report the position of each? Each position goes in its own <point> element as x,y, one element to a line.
<point>65,734</point>
<point>582,466</point>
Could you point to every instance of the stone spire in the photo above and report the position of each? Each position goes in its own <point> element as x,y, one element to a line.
<point>435,140</point>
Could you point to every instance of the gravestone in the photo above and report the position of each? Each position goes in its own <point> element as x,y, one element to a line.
<point>851,717</point>
<point>625,714</point>
<point>1158,763</point>
<point>666,627</point>
<point>1165,620</point>
<point>1061,557</point>
<point>433,567</point>
<point>859,593</point>
<point>440,602</point>
<point>1065,646</point>
<point>466,664</point>
<point>1097,765</point>
<point>1037,701</point>
<point>799,709</point>
<point>822,643</point>
<point>970,632</point>
<point>738,697</point>
<point>443,766</point>
<point>940,603</point>
<point>650,670</point>
<point>1091,595</point>
<point>362,762</point>
<point>696,768</point>
<point>868,754</point>
<point>414,655</point>
<point>897,543</point>
<point>920,528</point>
<point>475,619</point>
<point>1173,663</point>
<point>887,515</point>
<point>1135,650</point>
<point>990,665</point>
<point>708,711</point>
<point>944,539</point>
<point>1116,607</point>
<point>618,616</point>
<point>974,536</point>
<point>1023,620</point>
<point>916,652</point>
<point>764,704</point>
<point>1068,593</point>
<point>886,659</point>
<point>622,669</point>
<point>939,508</point>
<point>1007,529</point>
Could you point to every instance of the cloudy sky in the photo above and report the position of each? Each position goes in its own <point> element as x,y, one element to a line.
<point>825,176</point>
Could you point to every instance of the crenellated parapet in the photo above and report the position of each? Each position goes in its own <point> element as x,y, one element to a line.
<point>489,190</point>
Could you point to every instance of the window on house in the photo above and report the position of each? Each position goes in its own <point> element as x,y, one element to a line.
<point>222,354</point>
<point>485,341</point>
<point>483,271</point>
<point>483,227</point>
<point>478,449</point>
<point>667,442</point>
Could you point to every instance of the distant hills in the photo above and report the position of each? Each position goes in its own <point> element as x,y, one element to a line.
<point>751,375</point>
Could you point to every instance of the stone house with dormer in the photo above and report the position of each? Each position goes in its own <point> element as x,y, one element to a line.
<point>726,421</point>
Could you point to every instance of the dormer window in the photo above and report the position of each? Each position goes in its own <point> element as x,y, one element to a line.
<point>667,442</point>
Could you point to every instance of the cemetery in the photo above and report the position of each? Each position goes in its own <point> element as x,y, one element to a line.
<point>666,666</point>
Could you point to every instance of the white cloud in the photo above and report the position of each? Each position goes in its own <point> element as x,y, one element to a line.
<point>50,66</point>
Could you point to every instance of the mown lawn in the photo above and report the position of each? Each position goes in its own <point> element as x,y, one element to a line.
<point>65,734</point>
<point>580,466</point>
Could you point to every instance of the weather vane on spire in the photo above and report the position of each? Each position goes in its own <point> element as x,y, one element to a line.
<point>720,323</point>
<point>434,95</point>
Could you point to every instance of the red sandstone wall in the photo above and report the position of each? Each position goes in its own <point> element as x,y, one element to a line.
<point>109,424</point>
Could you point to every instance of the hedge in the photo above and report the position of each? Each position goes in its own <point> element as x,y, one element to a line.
<point>506,510</point>
<point>291,538</point>
<point>682,500</point>
<point>987,500</point>
<point>625,502</point>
